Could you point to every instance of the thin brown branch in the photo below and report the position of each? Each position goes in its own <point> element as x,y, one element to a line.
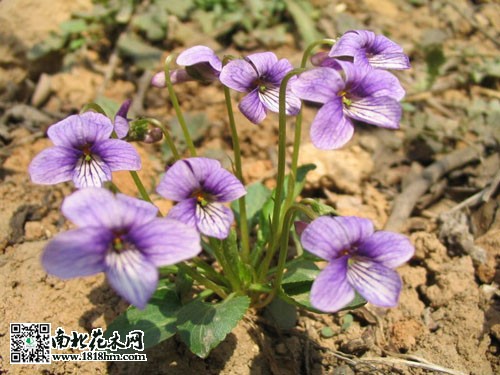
<point>405,202</point>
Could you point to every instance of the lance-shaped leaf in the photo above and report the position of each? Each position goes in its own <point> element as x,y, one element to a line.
<point>202,326</point>
<point>157,320</point>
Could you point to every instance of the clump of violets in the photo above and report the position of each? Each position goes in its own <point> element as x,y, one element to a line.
<point>201,64</point>
<point>122,237</point>
<point>357,92</point>
<point>260,76</point>
<point>248,266</point>
<point>83,152</point>
<point>359,259</point>
<point>201,186</point>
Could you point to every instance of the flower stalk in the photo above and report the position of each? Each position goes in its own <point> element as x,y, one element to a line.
<point>177,108</point>
<point>245,241</point>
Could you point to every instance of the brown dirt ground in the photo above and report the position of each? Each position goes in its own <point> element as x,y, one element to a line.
<point>449,309</point>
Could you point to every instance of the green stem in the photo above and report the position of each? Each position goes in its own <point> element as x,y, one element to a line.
<point>177,108</point>
<point>209,271</point>
<point>140,186</point>
<point>312,46</point>
<point>283,249</point>
<point>276,219</point>
<point>226,267</point>
<point>166,134</point>
<point>196,276</point>
<point>112,187</point>
<point>245,241</point>
<point>298,125</point>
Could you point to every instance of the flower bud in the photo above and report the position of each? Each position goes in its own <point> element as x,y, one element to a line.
<point>153,135</point>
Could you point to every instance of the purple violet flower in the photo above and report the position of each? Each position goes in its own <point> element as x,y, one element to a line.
<point>122,237</point>
<point>360,93</point>
<point>201,62</point>
<point>260,75</point>
<point>359,260</point>
<point>122,124</point>
<point>200,186</point>
<point>83,153</point>
<point>366,48</point>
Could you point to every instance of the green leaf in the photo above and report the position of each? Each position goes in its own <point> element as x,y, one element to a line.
<point>297,283</point>
<point>266,214</point>
<point>300,179</point>
<point>347,321</point>
<point>327,332</point>
<point>320,208</point>
<point>435,58</point>
<point>202,326</point>
<point>75,26</point>
<point>125,12</point>
<point>179,8</point>
<point>144,55</point>
<point>109,105</point>
<point>257,194</point>
<point>157,320</point>
<point>301,271</point>
<point>281,313</point>
<point>153,23</point>
<point>53,42</point>
<point>197,124</point>
<point>232,255</point>
<point>300,12</point>
<point>76,44</point>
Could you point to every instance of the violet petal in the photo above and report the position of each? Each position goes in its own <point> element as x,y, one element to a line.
<point>134,212</point>
<point>179,182</point>
<point>78,130</point>
<point>252,107</point>
<point>396,61</point>
<point>185,212</point>
<point>270,98</point>
<point>318,85</point>
<point>91,173</point>
<point>54,165</point>
<point>214,220</point>
<point>132,275</point>
<point>381,111</point>
<point>376,283</point>
<point>224,186</point>
<point>118,155</point>
<point>199,54</point>
<point>238,75</point>
<point>121,121</point>
<point>331,129</point>
<point>380,83</point>
<point>263,62</point>
<point>331,291</point>
<point>166,241</point>
<point>92,207</point>
<point>77,252</point>
<point>351,42</point>
<point>278,71</point>
<point>387,248</point>
<point>327,237</point>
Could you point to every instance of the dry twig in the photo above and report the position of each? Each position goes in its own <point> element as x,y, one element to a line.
<point>406,201</point>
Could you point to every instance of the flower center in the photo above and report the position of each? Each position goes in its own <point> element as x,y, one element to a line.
<point>345,100</point>
<point>117,244</point>
<point>202,198</point>
<point>87,153</point>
